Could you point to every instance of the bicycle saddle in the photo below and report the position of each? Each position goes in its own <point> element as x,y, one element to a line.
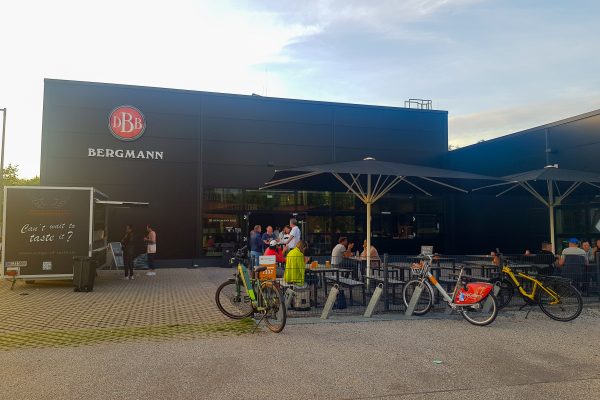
<point>260,269</point>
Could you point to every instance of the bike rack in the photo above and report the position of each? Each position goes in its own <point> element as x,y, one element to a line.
<point>373,302</point>
<point>330,301</point>
<point>413,301</point>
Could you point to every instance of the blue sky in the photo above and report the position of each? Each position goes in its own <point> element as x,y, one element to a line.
<point>496,66</point>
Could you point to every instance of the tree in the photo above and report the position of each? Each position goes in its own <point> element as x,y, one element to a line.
<point>11,177</point>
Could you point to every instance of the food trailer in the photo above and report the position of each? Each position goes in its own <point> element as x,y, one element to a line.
<point>46,227</point>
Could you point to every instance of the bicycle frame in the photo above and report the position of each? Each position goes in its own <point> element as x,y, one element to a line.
<point>433,280</point>
<point>506,270</point>
<point>250,285</point>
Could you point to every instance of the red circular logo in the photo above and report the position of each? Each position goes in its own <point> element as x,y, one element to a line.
<point>126,123</point>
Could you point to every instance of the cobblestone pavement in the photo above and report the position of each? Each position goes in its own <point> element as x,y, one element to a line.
<point>172,303</point>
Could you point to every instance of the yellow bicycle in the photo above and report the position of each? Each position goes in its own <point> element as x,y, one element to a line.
<point>555,296</point>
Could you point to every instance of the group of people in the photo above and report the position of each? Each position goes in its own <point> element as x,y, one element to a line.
<point>575,247</point>
<point>128,243</point>
<point>274,242</point>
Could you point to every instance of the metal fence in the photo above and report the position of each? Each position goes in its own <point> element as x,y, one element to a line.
<point>313,278</point>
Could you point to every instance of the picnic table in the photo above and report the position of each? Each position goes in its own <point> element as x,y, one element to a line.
<point>322,270</point>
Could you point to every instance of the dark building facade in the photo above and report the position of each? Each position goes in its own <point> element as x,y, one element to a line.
<point>516,221</point>
<point>198,159</point>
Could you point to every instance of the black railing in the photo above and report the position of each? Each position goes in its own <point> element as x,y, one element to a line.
<point>312,280</point>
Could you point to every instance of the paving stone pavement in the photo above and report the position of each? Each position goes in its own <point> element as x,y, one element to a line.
<point>174,298</point>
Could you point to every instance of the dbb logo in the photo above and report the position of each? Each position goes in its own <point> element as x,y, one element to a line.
<point>126,123</point>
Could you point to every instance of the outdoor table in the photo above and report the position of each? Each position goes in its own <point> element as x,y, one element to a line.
<point>322,270</point>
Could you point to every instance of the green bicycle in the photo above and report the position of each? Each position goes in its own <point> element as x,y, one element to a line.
<point>244,295</point>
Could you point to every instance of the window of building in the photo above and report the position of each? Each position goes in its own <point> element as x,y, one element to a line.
<point>270,201</point>
<point>314,201</point>
<point>220,230</point>
<point>571,220</point>
<point>223,199</point>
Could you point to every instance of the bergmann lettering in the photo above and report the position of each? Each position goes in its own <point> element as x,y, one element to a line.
<point>120,153</point>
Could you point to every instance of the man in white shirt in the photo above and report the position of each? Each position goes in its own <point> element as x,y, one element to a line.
<point>295,235</point>
<point>341,250</point>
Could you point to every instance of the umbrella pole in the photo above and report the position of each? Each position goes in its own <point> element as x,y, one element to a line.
<point>552,228</point>
<point>368,249</point>
<point>551,210</point>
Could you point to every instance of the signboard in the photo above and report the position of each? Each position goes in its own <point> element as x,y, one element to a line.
<point>116,251</point>
<point>427,250</point>
<point>45,228</point>
<point>270,274</point>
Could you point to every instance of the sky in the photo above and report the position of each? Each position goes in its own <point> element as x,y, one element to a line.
<point>496,66</point>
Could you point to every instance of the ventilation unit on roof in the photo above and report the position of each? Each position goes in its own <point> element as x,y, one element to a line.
<point>419,103</point>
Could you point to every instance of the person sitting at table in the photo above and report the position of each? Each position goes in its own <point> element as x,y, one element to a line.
<point>340,251</point>
<point>295,265</point>
<point>275,250</point>
<point>495,258</point>
<point>374,253</point>
<point>572,250</point>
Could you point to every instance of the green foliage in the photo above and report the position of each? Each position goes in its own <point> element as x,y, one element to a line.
<point>11,177</point>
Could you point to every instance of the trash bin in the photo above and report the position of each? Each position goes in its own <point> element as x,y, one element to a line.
<point>84,273</point>
<point>228,253</point>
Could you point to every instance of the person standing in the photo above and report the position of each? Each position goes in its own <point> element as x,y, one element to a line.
<point>128,245</point>
<point>150,241</point>
<point>256,245</point>
<point>295,235</point>
<point>267,237</point>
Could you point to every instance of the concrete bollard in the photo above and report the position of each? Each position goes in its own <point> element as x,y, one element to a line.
<point>289,295</point>
<point>330,301</point>
<point>414,300</point>
<point>374,299</point>
<point>487,306</point>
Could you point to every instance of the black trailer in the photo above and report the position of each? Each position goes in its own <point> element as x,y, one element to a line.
<point>46,227</point>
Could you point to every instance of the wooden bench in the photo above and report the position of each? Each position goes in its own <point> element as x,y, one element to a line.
<point>350,283</point>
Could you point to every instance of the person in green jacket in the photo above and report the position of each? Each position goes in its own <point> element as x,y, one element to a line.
<point>295,265</point>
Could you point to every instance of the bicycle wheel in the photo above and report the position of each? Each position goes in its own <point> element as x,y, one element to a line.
<point>482,313</point>
<point>425,301</point>
<point>563,303</point>
<point>504,296</point>
<point>233,301</point>
<point>275,313</point>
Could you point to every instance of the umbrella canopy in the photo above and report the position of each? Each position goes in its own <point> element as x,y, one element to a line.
<point>549,193</point>
<point>369,180</point>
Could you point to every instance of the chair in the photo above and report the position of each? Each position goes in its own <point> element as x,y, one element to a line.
<point>574,269</point>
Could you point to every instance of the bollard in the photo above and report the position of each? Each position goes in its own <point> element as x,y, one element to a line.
<point>487,306</point>
<point>374,299</point>
<point>386,300</point>
<point>414,300</point>
<point>289,295</point>
<point>330,301</point>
